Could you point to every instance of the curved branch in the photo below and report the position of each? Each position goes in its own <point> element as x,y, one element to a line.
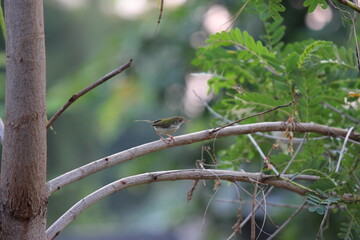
<point>172,175</point>
<point>350,5</point>
<point>126,155</point>
<point>88,89</point>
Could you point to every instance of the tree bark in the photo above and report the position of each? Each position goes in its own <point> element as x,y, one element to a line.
<point>23,168</point>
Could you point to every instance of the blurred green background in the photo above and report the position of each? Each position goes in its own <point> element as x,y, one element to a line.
<point>85,39</point>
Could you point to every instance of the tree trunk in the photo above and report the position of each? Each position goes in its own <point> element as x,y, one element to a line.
<point>23,168</point>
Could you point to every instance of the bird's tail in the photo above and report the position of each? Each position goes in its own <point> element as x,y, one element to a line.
<point>144,121</point>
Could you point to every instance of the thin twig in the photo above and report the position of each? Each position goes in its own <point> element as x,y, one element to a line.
<point>253,205</point>
<point>256,208</point>
<point>206,211</point>
<point>295,154</point>
<point>160,14</point>
<point>254,115</point>
<point>271,188</point>
<point>237,14</point>
<point>322,225</point>
<point>217,115</point>
<point>236,227</point>
<point>286,139</point>
<point>2,129</point>
<point>251,195</point>
<point>261,229</point>
<point>87,89</point>
<point>341,113</point>
<point>350,5</point>
<point>287,221</point>
<point>272,204</point>
<point>343,149</point>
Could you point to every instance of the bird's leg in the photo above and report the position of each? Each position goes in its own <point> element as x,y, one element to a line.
<point>171,137</point>
<point>163,139</point>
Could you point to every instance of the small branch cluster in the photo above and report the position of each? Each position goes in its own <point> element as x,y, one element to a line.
<point>191,174</point>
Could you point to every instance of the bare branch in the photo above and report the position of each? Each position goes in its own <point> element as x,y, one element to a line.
<point>88,89</point>
<point>160,14</point>
<point>126,155</point>
<point>324,221</point>
<point>350,5</point>
<point>342,113</point>
<point>256,207</point>
<point>1,130</point>
<point>173,175</point>
<point>295,140</point>
<point>287,221</point>
<point>343,149</point>
<point>253,206</point>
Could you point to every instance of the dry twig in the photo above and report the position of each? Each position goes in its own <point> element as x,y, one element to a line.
<point>160,14</point>
<point>88,89</point>
<point>2,130</point>
<point>287,221</point>
<point>343,149</point>
<point>324,224</point>
<point>350,4</point>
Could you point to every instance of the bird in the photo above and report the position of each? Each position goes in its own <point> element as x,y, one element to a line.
<point>166,126</point>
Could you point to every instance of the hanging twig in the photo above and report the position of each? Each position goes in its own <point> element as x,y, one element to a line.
<point>160,14</point>
<point>2,130</point>
<point>87,89</point>
<point>253,206</point>
<point>343,149</point>
<point>295,154</point>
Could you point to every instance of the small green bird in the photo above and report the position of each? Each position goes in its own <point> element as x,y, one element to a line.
<point>166,126</point>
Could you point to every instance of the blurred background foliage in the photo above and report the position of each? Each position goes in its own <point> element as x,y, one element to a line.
<point>85,39</point>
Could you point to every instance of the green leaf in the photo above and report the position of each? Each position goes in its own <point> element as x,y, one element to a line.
<point>291,61</point>
<point>321,210</point>
<point>312,209</point>
<point>310,49</point>
<point>312,4</point>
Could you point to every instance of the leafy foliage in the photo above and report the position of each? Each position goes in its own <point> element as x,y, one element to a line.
<point>253,76</point>
<point>269,13</point>
<point>320,205</point>
<point>347,229</point>
<point>312,4</point>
